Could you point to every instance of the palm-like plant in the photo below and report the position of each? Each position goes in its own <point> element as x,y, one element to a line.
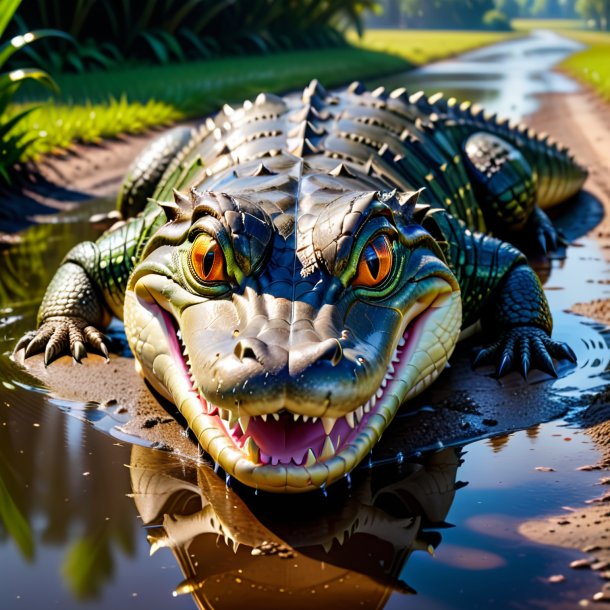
<point>12,146</point>
<point>110,32</point>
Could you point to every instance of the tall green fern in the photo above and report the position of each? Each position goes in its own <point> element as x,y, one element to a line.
<point>12,146</point>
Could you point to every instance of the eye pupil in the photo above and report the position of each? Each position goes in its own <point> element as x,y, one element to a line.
<point>208,262</point>
<point>372,261</point>
<point>207,259</point>
<point>375,263</point>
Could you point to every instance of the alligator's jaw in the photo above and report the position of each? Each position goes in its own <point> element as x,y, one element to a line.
<point>283,453</point>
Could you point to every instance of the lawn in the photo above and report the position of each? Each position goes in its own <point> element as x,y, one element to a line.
<point>420,47</point>
<point>557,25</point>
<point>592,65</point>
<point>100,105</point>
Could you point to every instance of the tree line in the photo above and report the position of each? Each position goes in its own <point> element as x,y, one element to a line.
<point>491,14</point>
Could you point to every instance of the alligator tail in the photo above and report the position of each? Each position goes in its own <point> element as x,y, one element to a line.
<point>559,175</point>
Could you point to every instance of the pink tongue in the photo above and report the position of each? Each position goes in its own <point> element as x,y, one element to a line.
<point>285,440</point>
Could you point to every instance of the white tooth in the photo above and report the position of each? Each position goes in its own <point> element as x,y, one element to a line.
<point>379,393</point>
<point>251,450</point>
<point>401,342</point>
<point>314,420</point>
<point>373,401</point>
<point>305,418</point>
<point>328,450</point>
<point>244,420</point>
<point>296,416</point>
<point>233,419</point>
<point>264,417</point>
<point>328,545</point>
<point>367,407</point>
<point>276,416</point>
<point>384,383</point>
<point>311,458</point>
<point>391,368</point>
<point>349,418</point>
<point>340,538</point>
<point>359,413</point>
<point>328,423</point>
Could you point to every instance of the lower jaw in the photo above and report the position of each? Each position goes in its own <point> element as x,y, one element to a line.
<point>413,373</point>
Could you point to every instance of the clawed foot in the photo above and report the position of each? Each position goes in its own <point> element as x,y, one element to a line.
<point>544,234</point>
<point>522,348</point>
<point>63,335</point>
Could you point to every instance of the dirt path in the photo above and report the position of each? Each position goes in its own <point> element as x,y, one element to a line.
<point>582,121</point>
<point>64,182</point>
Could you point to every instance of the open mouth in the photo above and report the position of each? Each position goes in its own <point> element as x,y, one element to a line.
<point>289,452</point>
<point>290,448</point>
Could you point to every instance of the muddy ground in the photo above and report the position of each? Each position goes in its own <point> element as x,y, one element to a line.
<point>582,121</point>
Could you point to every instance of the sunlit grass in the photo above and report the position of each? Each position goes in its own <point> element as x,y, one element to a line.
<point>420,47</point>
<point>526,25</point>
<point>88,109</point>
<point>592,65</point>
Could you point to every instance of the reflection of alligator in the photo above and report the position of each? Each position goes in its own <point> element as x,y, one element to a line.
<point>309,297</point>
<point>351,553</point>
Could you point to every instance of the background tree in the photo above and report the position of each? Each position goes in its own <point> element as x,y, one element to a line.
<point>597,10</point>
<point>511,8</point>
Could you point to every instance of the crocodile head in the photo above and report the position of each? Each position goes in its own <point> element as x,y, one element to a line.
<point>288,343</point>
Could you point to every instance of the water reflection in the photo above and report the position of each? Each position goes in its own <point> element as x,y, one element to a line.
<point>51,482</point>
<point>346,550</point>
<point>505,78</point>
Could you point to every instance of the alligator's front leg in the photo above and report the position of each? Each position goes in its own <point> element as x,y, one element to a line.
<point>501,290</point>
<point>72,311</point>
<point>88,289</point>
<point>518,314</point>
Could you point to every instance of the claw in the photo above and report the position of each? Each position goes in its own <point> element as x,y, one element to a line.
<point>545,364</point>
<point>104,351</point>
<point>506,364</point>
<point>37,344</point>
<point>25,341</point>
<point>542,242</point>
<point>563,350</point>
<point>49,353</point>
<point>78,351</point>
<point>525,364</point>
<point>480,358</point>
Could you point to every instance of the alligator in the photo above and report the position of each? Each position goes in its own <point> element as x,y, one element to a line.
<point>281,283</point>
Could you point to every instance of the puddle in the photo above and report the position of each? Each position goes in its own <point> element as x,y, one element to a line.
<point>88,509</point>
<point>504,78</point>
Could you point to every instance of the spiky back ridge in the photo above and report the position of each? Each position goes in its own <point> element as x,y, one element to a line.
<point>393,140</point>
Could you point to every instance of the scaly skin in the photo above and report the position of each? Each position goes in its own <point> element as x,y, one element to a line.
<point>286,290</point>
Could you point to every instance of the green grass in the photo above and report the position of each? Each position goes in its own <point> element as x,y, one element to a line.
<point>420,47</point>
<point>160,95</point>
<point>592,65</point>
<point>101,105</point>
<point>557,25</point>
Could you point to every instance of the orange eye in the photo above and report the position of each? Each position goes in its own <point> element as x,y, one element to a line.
<point>208,260</point>
<point>375,263</point>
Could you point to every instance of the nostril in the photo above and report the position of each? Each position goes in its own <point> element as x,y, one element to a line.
<point>243,350</point>
<point>333,352</point>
